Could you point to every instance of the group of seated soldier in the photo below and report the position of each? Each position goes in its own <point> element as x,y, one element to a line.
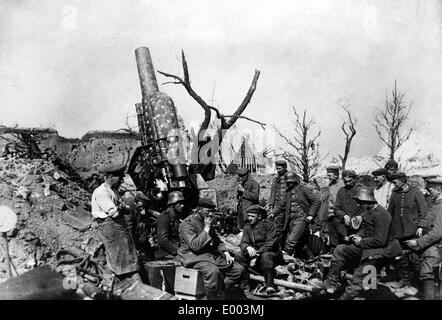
<point>360,231</point>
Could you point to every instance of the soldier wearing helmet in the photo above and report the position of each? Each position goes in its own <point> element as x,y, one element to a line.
<point>299,206</point>
<point>370,241</point>
<point>168,224</point>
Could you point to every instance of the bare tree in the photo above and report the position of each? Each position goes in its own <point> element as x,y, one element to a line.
<point>348,127</point>
<point>304,157</point>
<point>390,122</point>
<point>226,121</point>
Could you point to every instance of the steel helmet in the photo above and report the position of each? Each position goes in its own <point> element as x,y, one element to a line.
<point>291,177</point>
<point>365,194</point>
<point>174,197</point>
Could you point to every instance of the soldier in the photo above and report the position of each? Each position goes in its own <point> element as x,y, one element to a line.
<point>247,195</point>
<point>332,222</point>
<point>168,223</point>
<point>346,207</point>
<point>202,249</point>
<point>259,245</point>
<point>383,189</point>
<point>277,194</point>
<point>107,209</point>
<point>371,240</point>
<point>408,209</point>
<point>140,223</point>
<point>299,207</point>
<point>428,247</point>
<point>392,167</point>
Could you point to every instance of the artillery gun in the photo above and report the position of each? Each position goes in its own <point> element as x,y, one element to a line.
<point>161,154</point>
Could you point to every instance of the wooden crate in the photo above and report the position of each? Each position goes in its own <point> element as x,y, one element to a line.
<point>189,282</point>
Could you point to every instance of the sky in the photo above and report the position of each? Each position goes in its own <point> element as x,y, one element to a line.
<point>71,65</point>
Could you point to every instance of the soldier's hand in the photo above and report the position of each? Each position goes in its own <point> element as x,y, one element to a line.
<point>309,219</point>
<point>208,223</point>
<point>115,215</point>
<point>419,232</point>
<point>270,216</point>
<point>241,189</point>
<point>229,258</point>
<point>251,251</point>
<point>356,239</point>
<point>411,243</point>
<point>347,220</point>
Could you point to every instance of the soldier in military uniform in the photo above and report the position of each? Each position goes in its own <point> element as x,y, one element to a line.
<point>277,194</point>
<point>168,223</point>
<point>259,245</point>
<point>202,249</point>
<point>370,241</point>
<point>300,206</point>
<point>247,195</point>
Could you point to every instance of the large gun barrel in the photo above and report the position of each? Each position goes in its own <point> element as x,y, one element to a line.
<point>161,154</point>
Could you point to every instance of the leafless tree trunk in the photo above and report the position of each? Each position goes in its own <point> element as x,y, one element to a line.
<point>304,158</point>
<point>390,122</point>
<point>226,121</point>
<point>348,127</point>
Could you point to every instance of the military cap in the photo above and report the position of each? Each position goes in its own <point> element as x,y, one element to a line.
<point>380,172</point>
<point>116,170</point>
<point>349,173</point>
<point>242,171</point>
<point>332,168</point>
<point>256,208</point>
<point>281,162</point>
<point>391,164</point>
<point>398,175</point>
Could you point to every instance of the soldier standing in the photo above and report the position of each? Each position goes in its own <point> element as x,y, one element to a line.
<point>408,209</point>
<point>107,209</point>
<point>346,207</point>
<point>247,195</point>
<point>277,194</point>
<point>299,207</point>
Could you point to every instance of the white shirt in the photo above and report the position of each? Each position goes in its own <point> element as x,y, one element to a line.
<point>104,201</point>
<point>382,194</point>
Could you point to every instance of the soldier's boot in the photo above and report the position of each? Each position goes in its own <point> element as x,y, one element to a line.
<point>270,281</point>
<point>331,282</point>
<point>428,288</point>
<point>245,286</point>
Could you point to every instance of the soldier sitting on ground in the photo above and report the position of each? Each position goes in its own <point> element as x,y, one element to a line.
<point>259,245</point>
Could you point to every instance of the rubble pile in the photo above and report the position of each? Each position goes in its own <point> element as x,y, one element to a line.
<point>53,214</point>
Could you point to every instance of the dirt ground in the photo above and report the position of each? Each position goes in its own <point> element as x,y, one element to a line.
<point>52,211</point>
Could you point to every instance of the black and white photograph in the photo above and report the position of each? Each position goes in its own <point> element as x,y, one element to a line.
<point>249,153</point>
